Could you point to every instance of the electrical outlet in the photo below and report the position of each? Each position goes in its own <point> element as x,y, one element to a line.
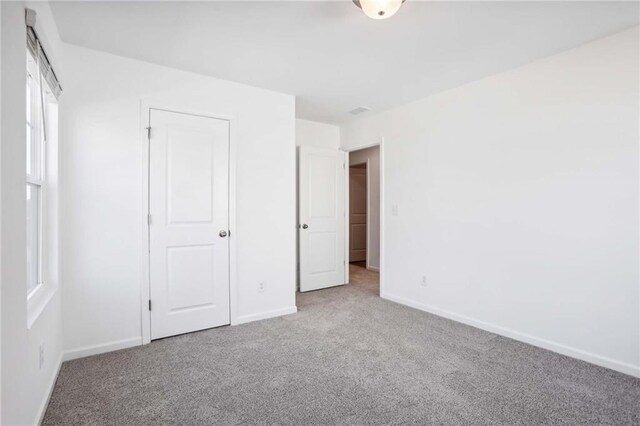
<point>262,286</point>
<point>41,355</point>
<point>423,281</point>
<point>394,210</point>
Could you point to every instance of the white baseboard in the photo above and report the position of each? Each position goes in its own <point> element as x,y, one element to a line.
<point>373,268</point>
<point>592,358</point>
<point>101,348</point>
<point>136,341</point>
<point>265,315</point>
<point>52,383</point>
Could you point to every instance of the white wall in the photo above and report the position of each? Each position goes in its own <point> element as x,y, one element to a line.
<point>372,155</point>
<point>25,386</point>
<point>318,135</point>
<point>102,202</point>
<point>517,197</point>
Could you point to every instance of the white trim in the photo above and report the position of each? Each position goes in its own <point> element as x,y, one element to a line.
<point>373,268</point>
<point>265,315</point>
<point>144,225</point>
<point>52,383</point>
<point>37,302</point>
<point>347,215</point>
<point>233,259</point>
<point>592,358</point>
<point>145,106</point>
<point>101,348</point>
<point>356,147</point>
<point>367,256</point>
<point>382,208</point>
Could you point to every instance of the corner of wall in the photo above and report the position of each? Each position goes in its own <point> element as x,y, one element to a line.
<point>51,385</point>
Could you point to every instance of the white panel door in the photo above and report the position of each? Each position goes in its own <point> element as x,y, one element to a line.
<point>322,218</point>
<point>189,222</point>
<point>357,214</point>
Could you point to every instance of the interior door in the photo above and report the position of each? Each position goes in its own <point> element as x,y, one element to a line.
<point>322,218</point>
<point>357,213</point>
<point>189,222</point>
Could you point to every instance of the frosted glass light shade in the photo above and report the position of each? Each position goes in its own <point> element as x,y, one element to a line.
<point>380,9</point>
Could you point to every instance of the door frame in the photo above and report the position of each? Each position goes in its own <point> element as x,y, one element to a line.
<point>145,283</point>
<point>357,147</point>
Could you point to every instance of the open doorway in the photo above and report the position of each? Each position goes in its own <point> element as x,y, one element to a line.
<point>324,226</point>
<point>363,229</point>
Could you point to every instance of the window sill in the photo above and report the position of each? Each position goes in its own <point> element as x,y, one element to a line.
<point>38,301</point>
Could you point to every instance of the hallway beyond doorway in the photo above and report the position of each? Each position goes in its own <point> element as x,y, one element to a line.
<point>364,278</point>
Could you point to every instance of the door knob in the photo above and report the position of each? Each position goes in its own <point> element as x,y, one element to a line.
<point>223,234</point>
<point>305,226</point>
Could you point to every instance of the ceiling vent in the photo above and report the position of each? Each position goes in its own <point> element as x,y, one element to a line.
<point>359,110</point>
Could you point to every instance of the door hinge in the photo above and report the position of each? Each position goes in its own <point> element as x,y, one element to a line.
<point>148,132</point>
<point>149,304</point>
<point>149,219</point>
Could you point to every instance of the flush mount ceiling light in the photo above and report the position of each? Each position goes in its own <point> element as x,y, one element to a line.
<point>379,9</point>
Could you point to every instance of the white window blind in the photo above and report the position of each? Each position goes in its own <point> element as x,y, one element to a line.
<point>46,70</point>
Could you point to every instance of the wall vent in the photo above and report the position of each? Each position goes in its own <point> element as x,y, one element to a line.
<point>359,110</point>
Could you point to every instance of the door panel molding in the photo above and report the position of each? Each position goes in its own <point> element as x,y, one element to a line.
<point>146,105</point>
<point>322,215</point>
<point>189,189</point>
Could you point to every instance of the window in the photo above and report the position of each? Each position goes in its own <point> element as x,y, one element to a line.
<point>41,119</point>
<point>35,188</point>
<point>41,176</point>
